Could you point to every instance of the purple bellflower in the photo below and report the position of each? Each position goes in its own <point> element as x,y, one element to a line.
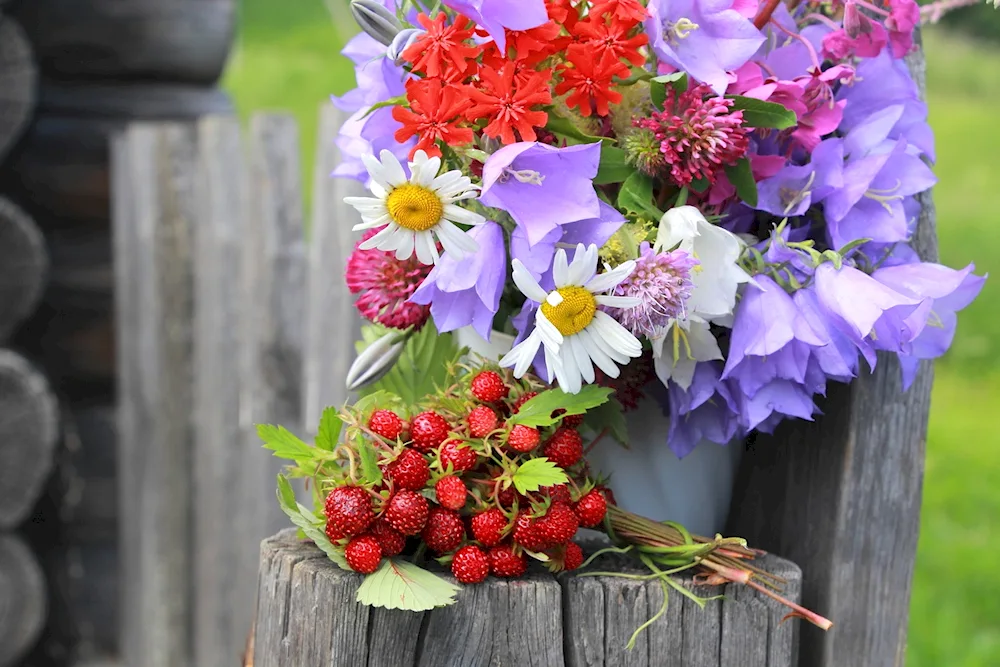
<point>498,16</point>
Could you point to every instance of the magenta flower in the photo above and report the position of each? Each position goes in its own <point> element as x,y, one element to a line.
<point>385,284</point>
<point>904,16</point>
<point>662,283</point>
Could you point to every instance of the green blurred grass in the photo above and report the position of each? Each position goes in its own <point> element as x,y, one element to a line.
<point>287,59</point>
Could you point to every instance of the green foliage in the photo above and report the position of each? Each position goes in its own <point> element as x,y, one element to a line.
<point>763,114</point>
<point>422,367</point>
<point>538,411</point>
<point>536,473</point>
<point>284,444</point>
<point>399,584</point>
<point>609,416</point>
<point>658,87</point>
<point>564,127</point>
<point>614,167</point>
<point>636,197</point>
<point>307,522</point>
<point>329,429</point>
<point>742,179</point>
<point>370,472</point>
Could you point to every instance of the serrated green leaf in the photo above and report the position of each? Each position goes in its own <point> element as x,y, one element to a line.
<point>382,400</point>
<point>658,87</point>
<point>538,410</point>
<point>636,196</point>
<point>399,584</point>
<point>741,176</point>
<point>757,113</point>
<point>302,518</point>
<point>614,168</point>
<point>370,472</point>
<point>564,127</point>
<point>284,444</point>
<point>329,429</point>
<point>422,367</point>
<point>536,473</point>
<point>608,416</point>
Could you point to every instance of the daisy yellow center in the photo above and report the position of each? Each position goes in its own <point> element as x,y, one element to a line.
<point>575,310</point>
<point>414,207</point>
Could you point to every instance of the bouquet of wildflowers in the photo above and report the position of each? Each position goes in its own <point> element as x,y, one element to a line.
<point>715,197</point>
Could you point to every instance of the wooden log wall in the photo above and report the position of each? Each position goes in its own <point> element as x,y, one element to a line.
<point>73,73</point>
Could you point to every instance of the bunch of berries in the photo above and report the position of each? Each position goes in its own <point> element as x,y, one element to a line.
<point>447,484</point>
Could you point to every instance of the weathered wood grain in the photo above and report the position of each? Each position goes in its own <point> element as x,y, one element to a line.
<point>18,81</point>
<point>180,40</point>
<point>22,600</point>
<point>154,218</point>
<point>307,615</point>
<point>24,265</point>
<point>841,497</point>
<point>29,430</point>
<point>332,321</point>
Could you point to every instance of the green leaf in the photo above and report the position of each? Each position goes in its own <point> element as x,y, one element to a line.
<point>370,471</point>
<point>304,519</point>
<point>757,113</point>
<point>422,367</point>
<point>636,195</point>
<point>741,177</point>
<point>614,168</point>
<point>399,101</point>
<point>700,185</point>
<point>564,127</point>
<point>284,444</point>
<point>382,400</point>
<point>536,473</point>
<point>538,411</point>
<point>658,87</point>
<point>329,429</point>
<point>610,416</point>
<point>399,584</point>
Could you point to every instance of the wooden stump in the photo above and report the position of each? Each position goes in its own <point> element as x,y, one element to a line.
<point>22,600</point>
<point>307,615</point>
<point>18,79</point>
<point>23,266</point>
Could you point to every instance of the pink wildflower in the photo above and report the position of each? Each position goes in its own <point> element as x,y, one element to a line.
<point>662,282</point>
<point>904,16</point>
<point>385,284</point>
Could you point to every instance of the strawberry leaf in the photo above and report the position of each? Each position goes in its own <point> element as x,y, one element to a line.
<point>610,416</point>
<point>399,584</point>
<point>370,472</point>
<point>536,473</point>
<point>538,411</point>
<point>284,444</point>
<point>329,429</point>
<point>307,522</point>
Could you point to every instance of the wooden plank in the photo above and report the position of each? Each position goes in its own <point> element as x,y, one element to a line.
<point>18,81</point>
<point>332,321</point>
<point>22,600</point>
<point>841,497</point>
<point>154,169</point>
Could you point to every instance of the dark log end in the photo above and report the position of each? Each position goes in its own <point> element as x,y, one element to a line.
<point>18,82</point>
<point>23,266</point>
<point>22,600</point>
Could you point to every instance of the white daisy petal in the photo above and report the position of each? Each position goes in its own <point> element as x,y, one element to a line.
<point>584,264</point>
<point>521,356</point>
<point>617,301</point>
<point>526,282</point>
<point>422,244</point>
<point>392,171</point>
<point>607,348</point>
<point>574,345</point>
<point>605,281</point>
<point>378,238</point>
<point>551,336</point>
<point>404,248</point>
<point>456,242</point>
<point>462,216</point>
<point>560,269</point>
<point>616,335</point>
<point>598,354</point>
<point>372,223</point>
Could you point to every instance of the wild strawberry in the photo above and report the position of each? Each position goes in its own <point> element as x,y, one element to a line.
<point>591,509</point>
<point>451,492</point>
<point>333,532</point>
<point>559,524</point>
<point>470,564</point>
<point>564,448</point>
<point>488,387</point>
<point>558,493</point>
<point>572,421</point>
<point>573,558</point>
<point>407,512</point>
<point>482,420</point>
<point>523,438</point>
<point>504,562</point>
<point>505,496</point>
<point>608,494</point>
<point>363,554</point>
<point>459,455</point>
<point>488,527</point>
<point>524,398</point>
<point>428,430</point>
<point>385,423</point>
<point>391,540</point>
<point>444,531</point>
<point>526,533</point>
<point>349,509</point>
<point>409,471</point>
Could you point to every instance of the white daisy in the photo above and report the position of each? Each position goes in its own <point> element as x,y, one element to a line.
<point>416,212</point>
<point>568,325</point>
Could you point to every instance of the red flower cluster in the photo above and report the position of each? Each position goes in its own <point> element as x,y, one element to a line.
<point>461,89</point>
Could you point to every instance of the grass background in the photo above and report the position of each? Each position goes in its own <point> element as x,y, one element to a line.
<point>287,59</point>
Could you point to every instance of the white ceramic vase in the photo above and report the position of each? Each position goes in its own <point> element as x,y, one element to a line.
<point>648,478</point>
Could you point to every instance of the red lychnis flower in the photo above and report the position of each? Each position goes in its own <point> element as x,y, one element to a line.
<point>623,10</point>
<point>613,37</point>
<point>435,112</point>
<point>563,12</point>
<point>507,103</point>
<point>590,80</point>
<point>443,48</point>
<point>535,45</point>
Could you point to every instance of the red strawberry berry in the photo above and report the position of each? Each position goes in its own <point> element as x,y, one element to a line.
<point>527,534</point>
<point>608,494</point>
<point>482,421</point>
<point>573,558</point>
<point>333,533</point>
<point>522,400</point>
<point>407,512</point>
<point>470,565</point>
<point>564,448</point>
<point>488,387</point>
<point>363,554</point>
<point>428,430</point>
<point>591,509</point>
<point>505,562</point>
<point>391,540</point>
<point>451,492</point>
<point>409,471</point>
<point>444,531</point>
<point>558,493</point>
<point>523,438</point>
<point>572,421</point>
<point>386,423</point>
<point>461,457</point>
<point>349,509</point>
<point>559,524</point>
<point>488,527</point>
